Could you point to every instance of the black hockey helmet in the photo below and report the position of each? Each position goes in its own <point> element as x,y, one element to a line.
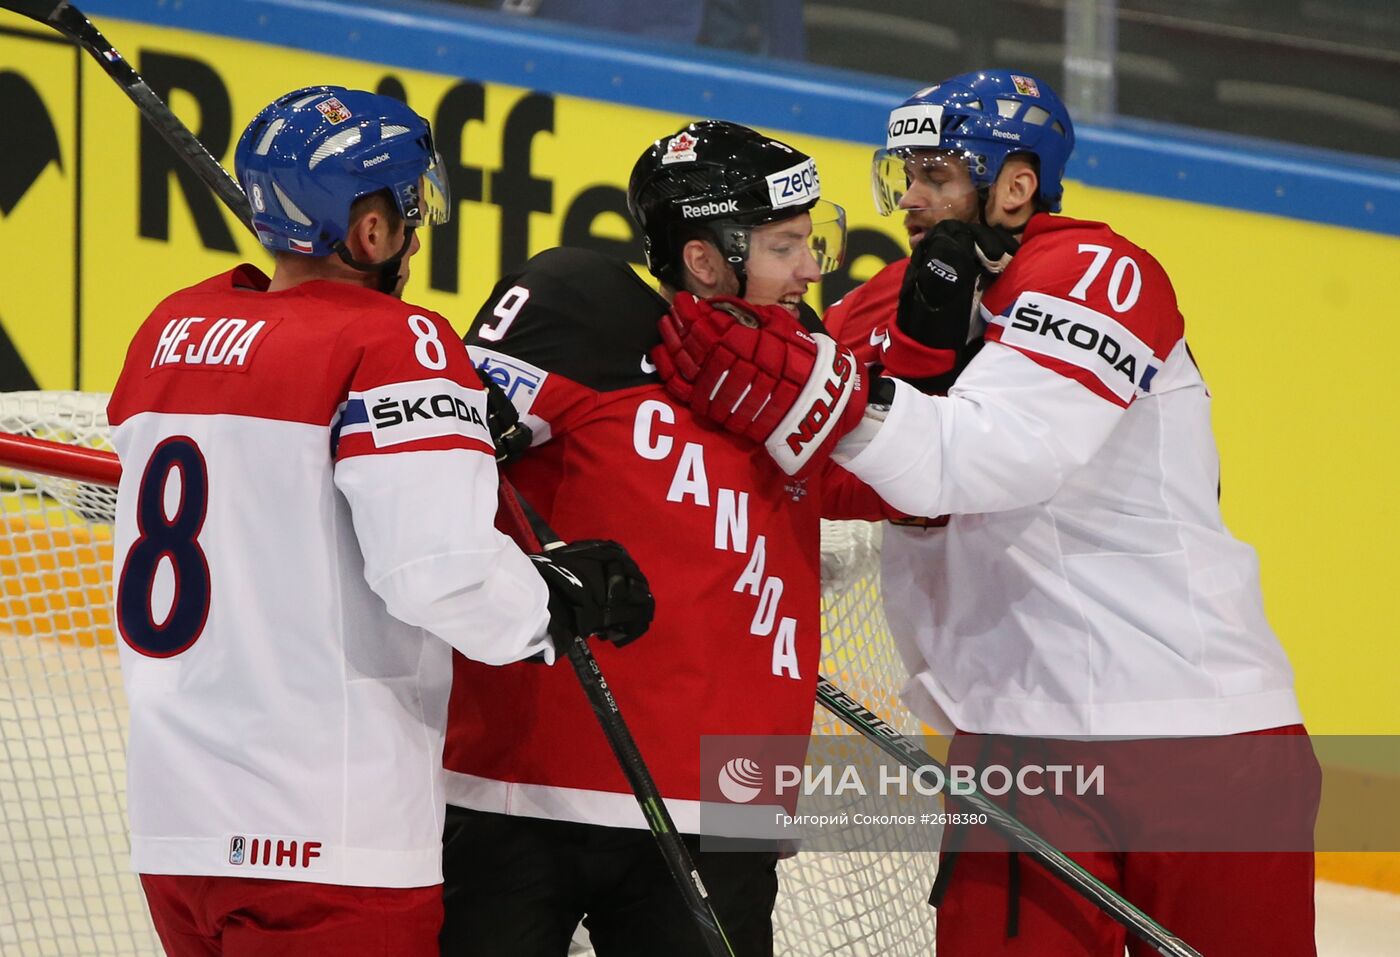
<point>727,179</point>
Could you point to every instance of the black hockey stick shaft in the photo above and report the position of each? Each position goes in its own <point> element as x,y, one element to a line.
<point>540,537</point>
<point>70,21</point>
<point>888,739</point>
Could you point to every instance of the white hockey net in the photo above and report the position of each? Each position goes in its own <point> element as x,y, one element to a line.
<point>64,885</point>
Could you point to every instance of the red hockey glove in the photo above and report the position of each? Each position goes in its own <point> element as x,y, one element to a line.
<point>756,372</point>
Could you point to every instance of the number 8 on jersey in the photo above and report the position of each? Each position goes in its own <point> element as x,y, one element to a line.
<point>172,538</point>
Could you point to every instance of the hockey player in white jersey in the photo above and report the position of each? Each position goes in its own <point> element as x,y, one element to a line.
<point>1085,584</point>
<point>304,533</point>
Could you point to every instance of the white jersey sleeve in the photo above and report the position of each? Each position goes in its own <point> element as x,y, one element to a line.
<point>414,460</point>
<point>1008,435</point>
<point>452,573</point>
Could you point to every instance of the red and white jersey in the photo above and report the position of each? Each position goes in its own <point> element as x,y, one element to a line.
<point>861,319</point>
<point>729,544</point>
<point>307,499</point>
<point>1086,584</point>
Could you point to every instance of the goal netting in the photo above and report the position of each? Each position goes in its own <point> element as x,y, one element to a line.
<point>64,884</point>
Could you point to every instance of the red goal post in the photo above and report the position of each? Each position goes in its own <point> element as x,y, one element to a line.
<point>64,884</point>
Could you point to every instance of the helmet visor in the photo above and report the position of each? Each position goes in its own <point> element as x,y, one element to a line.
<point>799,248</point>
<point>434,197</point>
<point>936,180</point>
<point>828,239</point>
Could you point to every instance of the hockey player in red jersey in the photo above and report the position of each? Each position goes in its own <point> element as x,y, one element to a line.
<point>1085,585</point>
<point>304,534</point>
<point>544,830</point>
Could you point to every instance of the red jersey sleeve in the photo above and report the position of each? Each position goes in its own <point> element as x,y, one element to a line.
<point>861,319</point>
<point>846,497</point>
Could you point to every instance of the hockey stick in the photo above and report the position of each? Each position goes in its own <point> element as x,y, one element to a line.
<point>538,536</point>
<point>889,740</point>
<point>70,21</point>
<point>100,467</point>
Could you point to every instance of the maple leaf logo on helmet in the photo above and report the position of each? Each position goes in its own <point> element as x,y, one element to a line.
<point>680,149</point>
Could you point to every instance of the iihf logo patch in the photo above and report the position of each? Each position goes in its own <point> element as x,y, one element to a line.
<point>797,488</point>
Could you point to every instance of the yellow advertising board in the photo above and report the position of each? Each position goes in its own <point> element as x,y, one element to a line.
<point>1291,321</point>
<point>529,171</point>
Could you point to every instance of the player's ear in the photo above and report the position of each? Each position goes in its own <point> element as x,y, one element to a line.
<point>362,233</point>
<point>1017,186</point>
<point>704,268</point>
<point>373,234</point>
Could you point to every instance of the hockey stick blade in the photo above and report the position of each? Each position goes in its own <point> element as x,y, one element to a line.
<point>888,739</point>
<point>71,23</point>
<point>537,534</point>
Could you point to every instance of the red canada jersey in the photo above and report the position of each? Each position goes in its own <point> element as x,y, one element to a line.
<point>730,545</point>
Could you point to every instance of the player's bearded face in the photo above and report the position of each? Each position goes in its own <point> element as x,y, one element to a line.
<point>927,186</point>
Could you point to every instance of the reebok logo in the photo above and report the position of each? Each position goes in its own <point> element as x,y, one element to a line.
<point>375,160</point>
<point>710,209</point>
<point>544,562</point>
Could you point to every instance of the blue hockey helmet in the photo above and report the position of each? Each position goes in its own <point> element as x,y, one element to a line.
<point>311,153</point>
<point>981,118</point>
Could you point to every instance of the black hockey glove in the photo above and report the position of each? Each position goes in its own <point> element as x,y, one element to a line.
<point>595,589</point>
<point>510,436</point>
<point>938,301</point>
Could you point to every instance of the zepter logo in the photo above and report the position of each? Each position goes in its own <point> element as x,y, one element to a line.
<point>794,185</point>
